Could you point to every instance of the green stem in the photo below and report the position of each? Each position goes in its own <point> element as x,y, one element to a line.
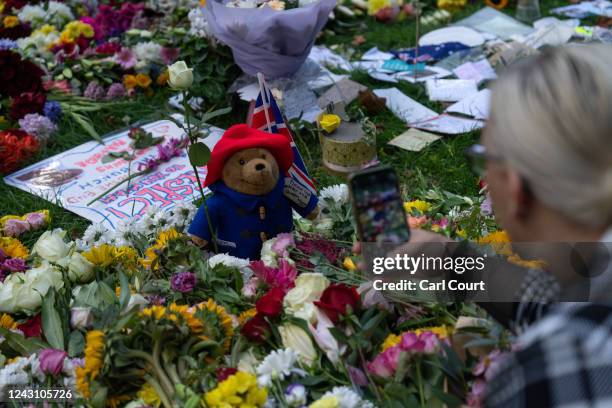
<point>160,391</point>
<point>165,382</point>
<point>420,383</point>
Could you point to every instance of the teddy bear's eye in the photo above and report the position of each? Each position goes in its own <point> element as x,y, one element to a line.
<point>242,162</point>
<point>263,156</point>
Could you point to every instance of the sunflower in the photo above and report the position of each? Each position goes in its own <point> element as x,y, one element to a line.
<point>13,248</point>
<point>152,253</point>
<point>155,311</point>
<point>419,205</point>
<point>246,315</point>
<point>94,357</point>
<point>7,321</point>
<point>221,319</point>
<point>149,396</point>
<point>102,255</point>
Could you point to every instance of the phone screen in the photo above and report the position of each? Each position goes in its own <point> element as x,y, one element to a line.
<point>378,206</point>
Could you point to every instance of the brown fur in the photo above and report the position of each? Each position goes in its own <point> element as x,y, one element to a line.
<point>251,171</point>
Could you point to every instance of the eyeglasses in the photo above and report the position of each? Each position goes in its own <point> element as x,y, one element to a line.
<point>478,157</point>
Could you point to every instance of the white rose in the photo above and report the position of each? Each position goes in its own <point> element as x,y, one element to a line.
<point>81,317</point>
<point>80,270</point>
<point>295,338</point>
<point>51,246</point>
<point>29,288</point>
<point>181,76</point>
<point>308,288</point>
<point>268,256</point>
<point>8,290</point>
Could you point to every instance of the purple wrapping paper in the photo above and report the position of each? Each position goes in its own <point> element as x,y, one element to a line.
<point>275,43</point>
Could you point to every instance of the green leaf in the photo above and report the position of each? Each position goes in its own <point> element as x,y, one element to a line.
<point>449,400</point>
<point>199,154</point>
<point>124,297</point>
<point>67,73</point>
<point>76,343</point>
<point>20,344</point>
<point>51,322</point>
<point>211,115</point>
<point>85,123</point>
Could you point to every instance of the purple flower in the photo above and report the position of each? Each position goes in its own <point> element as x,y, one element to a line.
<point>115,91</point>
<point>14,227</point>
<point>486,208</point>
<point>14,265</point>
<point>36,220</point>
<point>52,361</point>
<point>183,282</point>
<point>156,299</point>
<point>169,55</point>
<point>94,91</point>
<point>7,44</point>
<point>53,110</point>
<point>38,126</point>
<point>358,377</point>
<point>2,255</point>
<point>126,58</point>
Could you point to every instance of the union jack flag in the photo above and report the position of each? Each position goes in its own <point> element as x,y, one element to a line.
<point>268,117</point>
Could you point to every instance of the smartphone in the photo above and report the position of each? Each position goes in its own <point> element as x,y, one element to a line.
<point>377,206</point>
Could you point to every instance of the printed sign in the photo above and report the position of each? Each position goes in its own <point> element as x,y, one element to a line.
<point>74,178</point>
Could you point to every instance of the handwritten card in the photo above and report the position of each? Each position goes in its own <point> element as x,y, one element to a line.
<point>414,140</point>
<point>450,90</point>
<point>478,71</point>
<point>77,176</point>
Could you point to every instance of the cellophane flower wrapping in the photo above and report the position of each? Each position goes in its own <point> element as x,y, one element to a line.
<point>275,43</point>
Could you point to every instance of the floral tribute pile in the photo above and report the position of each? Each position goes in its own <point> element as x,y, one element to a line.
<point>140,317</point>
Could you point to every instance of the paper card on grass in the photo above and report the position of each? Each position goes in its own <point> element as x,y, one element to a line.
<point>345,91</point>
<point>75,177</point>
<point>404,107</point>
<point>300,101</point>
<point>383,77</point>
<point>374,54</point>
<point>326,57</point>
<point>397,65</point>
<point>450,90</point>
<point>478,71</point>
<point>476,105</point>
<point>450,125</point>
<point>414,140</point>
<point>428,72</point>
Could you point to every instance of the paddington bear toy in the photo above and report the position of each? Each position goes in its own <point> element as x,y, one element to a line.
<point>252,199</point>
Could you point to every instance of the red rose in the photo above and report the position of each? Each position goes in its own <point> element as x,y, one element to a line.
<point>31,328</point>
<point>336,300</point>
<point>27,103</point>
<point>256,329</point>
<point>271,304</point>
<point>224,372</point>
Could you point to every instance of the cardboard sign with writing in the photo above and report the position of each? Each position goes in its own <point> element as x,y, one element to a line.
<point>75,177</point>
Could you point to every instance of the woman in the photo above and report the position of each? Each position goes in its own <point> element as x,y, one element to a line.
<point>547,156</point>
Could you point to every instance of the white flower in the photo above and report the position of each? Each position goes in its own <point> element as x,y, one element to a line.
<point>35,15</point>
<point>276,366</point>
<point>81,317</point>
<point>148,52</point>
<point>347,398</point>
<point>182,214</point>
<point>14,374</point>
<point>181,76</point>
<point>80,270</point>
<point>337,193</point>
<point>295,338</point>
<point>58,13</point>
<point>268,256</point>
<point>299,300</point>
<point>51,246</point>
<point>296,395</point>
<point>198,23</point>
<point>96,234</point>
<point>247,362</point>
<point>228,260</point>
<point>326,341</point>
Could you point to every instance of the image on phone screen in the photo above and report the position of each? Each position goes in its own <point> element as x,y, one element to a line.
<point>379,207</point>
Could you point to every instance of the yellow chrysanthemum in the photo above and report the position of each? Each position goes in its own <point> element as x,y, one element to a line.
<point>166,236</point>
<point>152,253</point>
<point>246,315</point>
<point>374,6</point>
<point>392,340</point>
<point>7,321</point>
<point>155,311</point>
<point>13,247</point>
<point>102,255</point>
<point>148,395</point>
<point>46,29</point>
<point>499,240</point>
<point>76,29</point>
<point>238,390</point>
<point>94,357</point>
<point>326,402</point>
<point>419,205</point>
<point>143,80</point>
<point>348,264</point>
<point>10,21</point>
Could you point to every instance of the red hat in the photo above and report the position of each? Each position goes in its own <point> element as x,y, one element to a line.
<point>240,137</point>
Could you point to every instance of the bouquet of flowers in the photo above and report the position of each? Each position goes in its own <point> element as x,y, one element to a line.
<point>268,39</point>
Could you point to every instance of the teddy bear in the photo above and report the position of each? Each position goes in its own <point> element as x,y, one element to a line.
<point>253,197</point>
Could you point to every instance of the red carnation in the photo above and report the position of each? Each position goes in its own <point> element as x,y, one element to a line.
<point>27,103</point>
<point>224,372</point>
<point>256,329</point>
<point>337,299</point>
<point>31,328</point>
<point>271,304</point>
<point>16,146</point>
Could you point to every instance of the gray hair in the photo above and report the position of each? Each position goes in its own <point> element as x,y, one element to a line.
<point>551,119</point>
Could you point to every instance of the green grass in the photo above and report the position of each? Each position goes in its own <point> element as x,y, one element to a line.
<point>440,165</point>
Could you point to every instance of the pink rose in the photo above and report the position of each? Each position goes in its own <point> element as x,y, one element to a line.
<point>410,342</point>
<point>52,361</point>
<point>36,220</point>
<point>385,364</point>
<point>15,227</point>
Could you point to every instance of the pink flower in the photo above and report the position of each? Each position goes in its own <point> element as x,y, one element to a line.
<point>410,342</point>
<point>169,54</point>
<point>15,227</point>
<point>358,377</point>
<point>36,220</point>
<point>52,361</point>
<point>475,397</point>
<point>488,365</point>
<point>385,364</point>
<point>282,242</point>
<point>282,277</point>
<point>431,342</point>
<point>249,290</point>
<point>126,58</point>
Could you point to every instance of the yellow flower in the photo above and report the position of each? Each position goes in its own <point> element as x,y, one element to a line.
<point>392,340</point>
<point>529,264</point>
<point>461,233</point>
<point>76,29</point>
<point>374,6</point>
<point>94,357</point>
<point>348,264</point>
<point>2,6</point>
<point>499,240</point>
<point>202,3</point>
<point>329,122</point>
<point>13,247</point>
<point>419,205</point>
<point>238,390</point>
<point>148,395</point>
<point>162,79</point>
<point>224,321</point>
<point>102,255</point>
<point>143,80</point>
<point>46,29</point>
<point>116,401</point>
<point>246,315</point>
<point>155,311</point>
<point>7,321</point>
<point>326,402</point>
<point>129,81</point>
<point>152,253</point>
<point>10,21</point>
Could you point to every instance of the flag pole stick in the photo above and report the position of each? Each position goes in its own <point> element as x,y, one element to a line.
<point>264,99</point>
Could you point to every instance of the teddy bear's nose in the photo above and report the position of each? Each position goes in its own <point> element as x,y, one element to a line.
<point>260,166</point>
